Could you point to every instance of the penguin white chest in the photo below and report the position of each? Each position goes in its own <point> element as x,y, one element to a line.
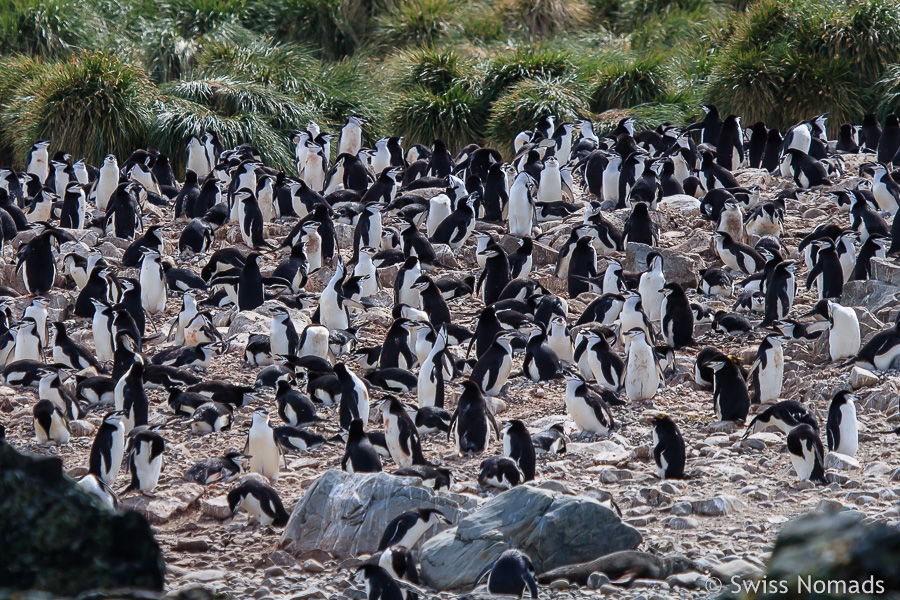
<point>849,431</point>
<point>641,376</point>
<point>263,452</point>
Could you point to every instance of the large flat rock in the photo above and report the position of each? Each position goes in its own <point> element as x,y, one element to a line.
<point>345,515</point>
<point>552,528</point>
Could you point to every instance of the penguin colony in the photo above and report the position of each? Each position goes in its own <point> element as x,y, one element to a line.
<point>362,341</point>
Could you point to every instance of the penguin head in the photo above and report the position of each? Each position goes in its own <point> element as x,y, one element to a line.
<point>844,397</point>
<point>654,261</point>
<point>238,458</point>
<point>635,335</point>
<point>571,376</point>
<point>260,416</point>
<point>114,417</point>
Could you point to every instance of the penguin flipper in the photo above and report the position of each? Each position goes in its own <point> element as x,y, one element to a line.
<point>532,585</point>
<point>481,575</point>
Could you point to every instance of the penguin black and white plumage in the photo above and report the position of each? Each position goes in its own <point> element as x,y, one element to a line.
<point>295,439</point>
<point>360,455</point>
<point>807,454</point>
<point>101,491</point>
<point>492,370</point>
<point>827,273</point>
<point>472,421</point>
<point>767,373</point>
<point>731,323</point>
<point>582,266</point>
<point>294,407</point>
<point>780,291</point>
<point>805,170</point>
<point>541,362</point>
<point>703,372</point>
<point>517,445</point>
<point>495,276</point>
<point>643,374</point>
<point>597,360</point>
<point>587,407</point>
<point>731,399</point>
<point>36,261</point>
<point>283,337</point>
<point>889,140</point>
<point>68,352</point>
<point>843,332</point>
<point>552,441</point>
<point>108,448</point>
<point>885,189</point>
<point>713,175</point>
<point>639,227</point>
<point>407,528</point>
<point>510,574</point>
<point>354,396</point>
<point>261,447</point>
<point>842,430</point>
<point>436,478</point>
<point>401,434</point>
<point>213,470</point>
<point>145,460</point>
<point>154,287</point>
<point>400,564</point>
<point>260,501</point>
<point>131,397</point>
<point>51,427</point>
<point>677,318</point>
<point>500,472</point>
<point>715,282</point>
<point>730,145</point>
<point>784,415</point>
<point>736,255</point>
<point>668,447</point>
<point>196,237</point>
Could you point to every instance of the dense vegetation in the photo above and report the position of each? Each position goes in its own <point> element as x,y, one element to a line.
<point>101,76</point>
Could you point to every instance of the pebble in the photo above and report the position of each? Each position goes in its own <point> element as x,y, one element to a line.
<point>559,584</point>
<point>682,508</point>
<point>738,568</point>
<point>313,566</point>
<point>842,462</point>
<point>274,572</point>
<point>596,580</point>
<point>679,523</point>
<point>860,378</point>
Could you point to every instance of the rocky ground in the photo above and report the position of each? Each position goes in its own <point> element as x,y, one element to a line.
<point>724,515</point>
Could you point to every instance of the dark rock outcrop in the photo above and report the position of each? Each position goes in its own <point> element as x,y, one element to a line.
<point>56,539</point>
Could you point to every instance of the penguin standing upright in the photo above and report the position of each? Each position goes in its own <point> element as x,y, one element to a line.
<point>730,145</point>
<point>495,275</point>
<point>589,410</point>
<point>518,446</point>
<point>359,455</point>
<point>354,397</point>
<point>108,448</point>
<point>668,447</point>
<point>350,141</point>
<point>767,373</point>
<point>261,447</point>
<point>27,341</point>
<point>639,227</point>
<point>74,207</point>
<point>153,283</point>
<point>145,460</point>
<point>780,290</point>
<point>730,397</point>
<point>651,286</point>
<point>807,454</point>
<point>521,206</point>
<point>471,424</point>
<point>492,370</point>
<point>677,318</point>
<point>131,397</point>
<point>400,434</point>
<point>843,332</point>
<point>827,272</point>
<point>842,430</point>
<point>642,372</point>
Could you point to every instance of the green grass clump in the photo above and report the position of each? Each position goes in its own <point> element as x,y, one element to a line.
<point>175,119</point>
<point>91,105</point>
<point>529,100</point>
<point>623,84</point>
<point>416,22</point>
<point>523,63</point>
<point>456,116</point>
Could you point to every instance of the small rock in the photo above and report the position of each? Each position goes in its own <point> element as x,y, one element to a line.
<point>206,575</point>
<point>842,462</point>
<point>682,509</point>
<point>313,566</point>
<point>559,584</point>
<point>310,594</point>
<point>217,508</point>
<point>860,378</point>
<point>82,428</point>
<point>716,507</point>
<point>282,559</point>
<point>597,579</point>
<point>274,572</point>
<point>691,580</point>
<point>192,545</point>
<point>679,523</point>
<point>739,569</point>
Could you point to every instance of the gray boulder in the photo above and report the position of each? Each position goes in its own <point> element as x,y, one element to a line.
<point>679,268</point>
<point>871,295</point>
<point>346,515</point>
<point>552,528</point>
